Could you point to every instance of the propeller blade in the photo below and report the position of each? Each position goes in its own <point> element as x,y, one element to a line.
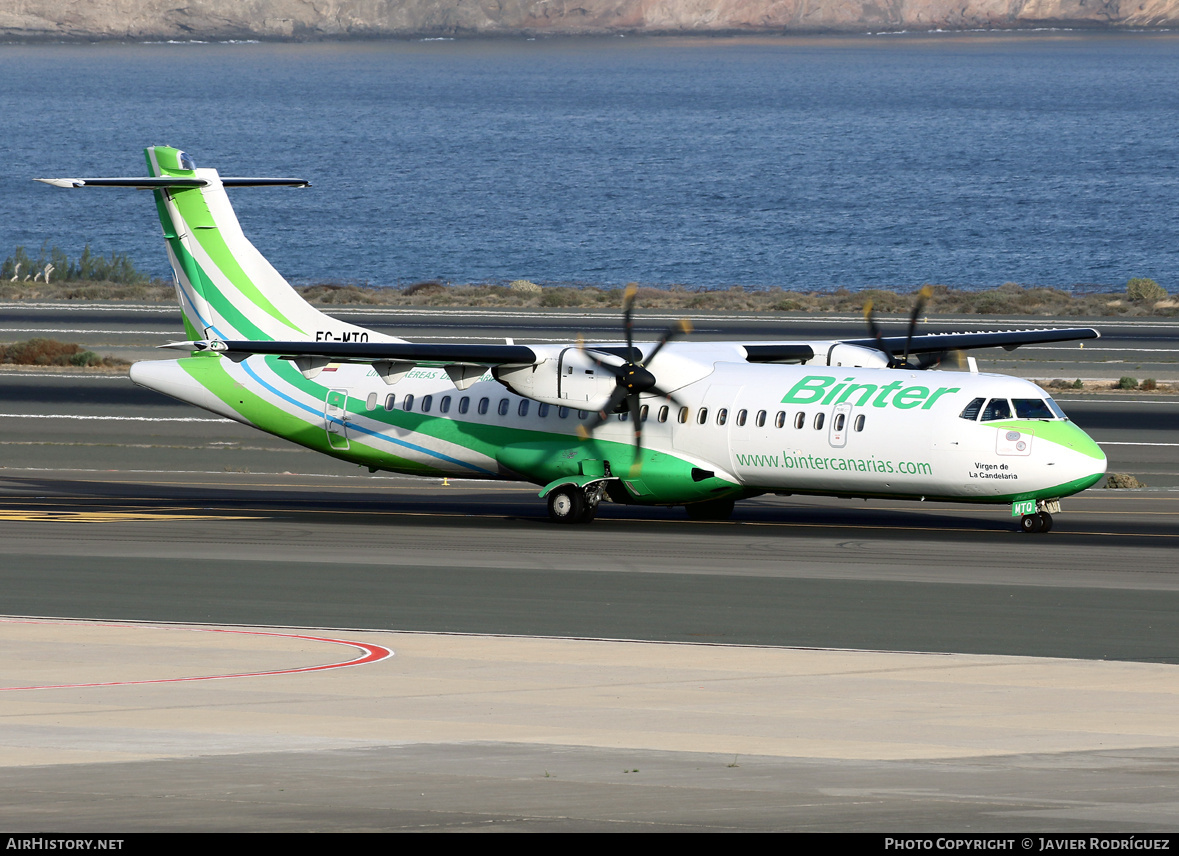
<point>923,295</point>
<point>680,328</point>
<point>628,304</point>
<point>636,466</point>
<point>669,396</point>
<point>616,398</point>
<point>632,404</point>
<point>875,332</point>
<point>602,360</point>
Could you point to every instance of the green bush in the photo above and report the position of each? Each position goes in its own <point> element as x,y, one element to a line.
<point>1127,383</point>
<point>1145,290</point>
<point>1150,384</point>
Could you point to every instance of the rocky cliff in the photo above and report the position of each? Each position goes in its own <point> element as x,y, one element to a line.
<point>318,19</point>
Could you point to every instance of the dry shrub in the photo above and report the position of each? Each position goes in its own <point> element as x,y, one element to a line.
<point>1122,481</point>
<point>50,352</point>
<point>336,294</point>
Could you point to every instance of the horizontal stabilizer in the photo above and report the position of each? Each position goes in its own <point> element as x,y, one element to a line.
<point>164,182</point>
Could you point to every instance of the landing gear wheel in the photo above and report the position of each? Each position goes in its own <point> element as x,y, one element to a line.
<point>1045,521</point>
<point>1031,523</point>
<point>711,509</point>
<point>567,505</point>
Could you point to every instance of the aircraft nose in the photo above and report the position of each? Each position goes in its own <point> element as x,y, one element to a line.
<point>1087,461</point>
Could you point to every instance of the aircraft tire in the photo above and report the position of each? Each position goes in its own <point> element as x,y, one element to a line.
<point>1030,523</point>
<point>1045,521</point>
<point>711,509</point>
<point>567,505</point>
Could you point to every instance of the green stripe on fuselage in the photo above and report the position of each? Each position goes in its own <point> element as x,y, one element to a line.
<point>306,431</point>
<point>1060,432</point>
<point>536,454</point>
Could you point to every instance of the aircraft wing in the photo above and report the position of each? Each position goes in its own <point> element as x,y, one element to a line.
<point>370,352</point>
<point>928,343</point>
<point>494,354</point>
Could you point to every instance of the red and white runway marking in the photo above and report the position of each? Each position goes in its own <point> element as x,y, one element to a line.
<point>368,653</point>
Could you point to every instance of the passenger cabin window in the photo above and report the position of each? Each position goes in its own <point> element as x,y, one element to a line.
<point>643,413</point>
<point>427,403</point>
<point>390,401</point>
<point>562,412</point>
<point>542,410</point>
<point>972,409</point>
<point>683,416</point>
<point>1032,408</point>
<point>780,419</point>
<point>741,417</point>
<point>997,408</point>
<point>407,402</point>
<point>444,404</point>
<point>859,423</point>
<point>464,404</point>
<point>623,416</point>
<point>522,410</point>
<point>372,401</point>
<point>819,421</point>
<point>799,419</point>
<point>702,416</point>
<point>503,407</point>
<point>663,411</point>
<point>484,403</point>
<point>760,421</point>
<point>840,421</point>
<point>722,416</point>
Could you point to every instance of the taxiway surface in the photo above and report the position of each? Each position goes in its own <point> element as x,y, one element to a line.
<point>983,679</point>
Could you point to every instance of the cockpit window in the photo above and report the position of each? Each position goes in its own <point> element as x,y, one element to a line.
<point>1056,409</point>
<point>997,408</point>
<point>972,409</point>
<point>1032,408</point>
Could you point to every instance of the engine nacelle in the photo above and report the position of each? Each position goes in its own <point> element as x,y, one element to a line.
<point>856,356</point>
<point>570,378</point>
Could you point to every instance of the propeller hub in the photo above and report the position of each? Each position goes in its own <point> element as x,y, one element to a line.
<point>635,379</point>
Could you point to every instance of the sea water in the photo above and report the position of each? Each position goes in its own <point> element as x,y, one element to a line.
<point>808,163</point>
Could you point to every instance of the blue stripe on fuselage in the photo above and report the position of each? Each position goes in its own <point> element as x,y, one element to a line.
<point>245,364</point>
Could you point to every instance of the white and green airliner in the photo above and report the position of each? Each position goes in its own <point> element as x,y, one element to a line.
<point>701,425</point>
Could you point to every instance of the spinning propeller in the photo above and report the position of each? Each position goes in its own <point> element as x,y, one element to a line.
<point>924,361</point>
<point>631,377</point>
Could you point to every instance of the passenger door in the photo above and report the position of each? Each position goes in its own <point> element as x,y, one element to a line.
<point>335,418</point>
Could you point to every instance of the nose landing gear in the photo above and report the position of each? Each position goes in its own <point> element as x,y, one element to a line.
<point>1038,522</point>
<point>1041,519</point>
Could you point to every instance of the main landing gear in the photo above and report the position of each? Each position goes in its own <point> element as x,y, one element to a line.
<point>572,504</point>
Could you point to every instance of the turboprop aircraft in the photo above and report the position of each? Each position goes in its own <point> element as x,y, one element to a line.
<point>701,425</point>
